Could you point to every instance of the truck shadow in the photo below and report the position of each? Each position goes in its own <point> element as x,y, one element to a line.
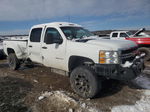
<point>116,93</point>
<point>24,67</point>
<point>110,87</point>
<point>141,82</point>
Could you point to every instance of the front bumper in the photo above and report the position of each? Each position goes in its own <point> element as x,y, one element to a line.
<point>127,71</point>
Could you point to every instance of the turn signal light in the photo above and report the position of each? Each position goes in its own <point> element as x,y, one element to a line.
<point>102,60</point>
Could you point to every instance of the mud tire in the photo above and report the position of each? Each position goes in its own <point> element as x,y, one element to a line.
<point>84,82</point>
<point>13,61</point>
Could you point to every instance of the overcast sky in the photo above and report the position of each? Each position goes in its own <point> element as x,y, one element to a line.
<point>17,16</point>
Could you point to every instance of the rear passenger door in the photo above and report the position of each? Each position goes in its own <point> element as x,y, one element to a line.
<point>34,45</point>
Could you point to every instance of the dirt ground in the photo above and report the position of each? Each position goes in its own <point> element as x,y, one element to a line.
<point>38,90</point>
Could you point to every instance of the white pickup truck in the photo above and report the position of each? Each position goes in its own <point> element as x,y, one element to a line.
<point>77,53</point>
<point>120,34</point>
<point>127,34</point>
<point>140,38</point>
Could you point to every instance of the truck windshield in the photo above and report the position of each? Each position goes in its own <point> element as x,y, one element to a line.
<point>76,32</point>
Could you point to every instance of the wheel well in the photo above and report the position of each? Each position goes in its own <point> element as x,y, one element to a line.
<point>10,50</point>
<point>75,61</point>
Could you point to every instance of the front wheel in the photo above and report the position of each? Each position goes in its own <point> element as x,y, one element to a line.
<point>84,82</point>
<point>13,61</point>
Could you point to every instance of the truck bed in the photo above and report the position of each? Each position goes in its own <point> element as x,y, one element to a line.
<point>19,47</point>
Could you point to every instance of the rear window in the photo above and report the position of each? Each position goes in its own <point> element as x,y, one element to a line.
<point>36,35</point>
<point>114,34</point>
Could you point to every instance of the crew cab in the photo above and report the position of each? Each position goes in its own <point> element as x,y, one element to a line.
<point>71,50</point>
<point>140,38</point>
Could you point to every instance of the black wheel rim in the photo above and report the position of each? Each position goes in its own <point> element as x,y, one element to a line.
<point>82,84</point>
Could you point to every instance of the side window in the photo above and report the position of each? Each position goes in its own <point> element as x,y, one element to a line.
<point>123,35</point>
<point>114,34</point>
<point>52,36</point>
<point>35,35</point>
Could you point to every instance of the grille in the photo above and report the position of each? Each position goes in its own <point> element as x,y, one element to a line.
<point>128,55</point>
<point>129,50</point>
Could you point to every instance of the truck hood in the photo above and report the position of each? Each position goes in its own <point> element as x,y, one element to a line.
<point>138,32</point>
<point>113,44</point>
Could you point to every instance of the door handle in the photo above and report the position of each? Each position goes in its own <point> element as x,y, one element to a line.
<point>44,47</point>
<point>30,46</point>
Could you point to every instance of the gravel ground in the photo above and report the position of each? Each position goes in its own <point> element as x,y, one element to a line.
<point>38,90</point>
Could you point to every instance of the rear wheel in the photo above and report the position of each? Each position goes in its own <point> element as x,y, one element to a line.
<point>13,61</point>
<point>146,52</point>
<point>84,82</point>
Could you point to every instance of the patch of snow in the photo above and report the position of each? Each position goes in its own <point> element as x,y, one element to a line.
<point>147,92</point>
<point>35,81</point>
<point>60,97</point>
<point>40,97</point>
<point>46,94</point>
<point>142,81</point>
<point>93,110</point>
<point>143,105</point>
<point>70,110</point>
<point>83,105</point>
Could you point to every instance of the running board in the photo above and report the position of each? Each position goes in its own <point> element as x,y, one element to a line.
<point>60,72</point>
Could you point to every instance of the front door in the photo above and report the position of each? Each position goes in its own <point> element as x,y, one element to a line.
<point>53,49</point>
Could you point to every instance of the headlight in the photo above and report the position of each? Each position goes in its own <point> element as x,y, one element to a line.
<point>108,57</point>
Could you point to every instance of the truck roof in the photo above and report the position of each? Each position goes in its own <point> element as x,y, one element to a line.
<point>120,31</point>
<point>57,24</point>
